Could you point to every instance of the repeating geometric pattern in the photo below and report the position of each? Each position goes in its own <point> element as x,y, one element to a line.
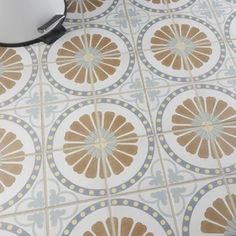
<point>125,126</point>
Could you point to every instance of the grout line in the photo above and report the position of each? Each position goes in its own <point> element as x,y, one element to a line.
<point>153,126</point>
<point>47,224</point>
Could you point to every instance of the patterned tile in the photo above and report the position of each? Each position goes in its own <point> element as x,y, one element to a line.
<point>85,219</point>
<point>61,123</point>
<point>183,160</point>
<point>150,6</point>
<point>90,10</point>
<point>21,184</point>
<point>207,210</point>
<point>20,132</point>
<point>133,165</point>
<point>148,212</point>
<point>68,43</point>
<point>19,77</point>
<point>166,104</point>
<point>75,175</point>
<point>126,124</point>
<point>123,116</point>
<point>28,224</point>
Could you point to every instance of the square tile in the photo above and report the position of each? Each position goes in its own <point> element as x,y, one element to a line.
<point>147,212</point>
<point>133,165</point>
<point>196,210</point>
<point>33,224</point>
<point>150,7</point>
<point>61,86</point>
<point>106,39</point>
<point>66,122</point>
<point>65,48</point>
<point>75,175</point>
<point>129,17</point>
<point>86,218</point>
<point>21,131</point>
<point>22,184</point>
<point>185,5</point>
<point>166,106</point>
<point>121,76</point>
<point>19,77</point>
<point>182,164</point>
<point>124,115</point>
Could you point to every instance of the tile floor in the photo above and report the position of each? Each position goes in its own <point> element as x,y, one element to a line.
<point>126,126</point>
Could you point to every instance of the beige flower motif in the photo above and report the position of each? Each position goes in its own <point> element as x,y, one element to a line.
<point>87,56</point>
<point>10,69</point>
<point>123,227</point>
<point>220,217</point>
<point>74,6</point>
<point>11,157</point>
<point>191,45</point>
<point>204,123</point>
<point>117,145</point>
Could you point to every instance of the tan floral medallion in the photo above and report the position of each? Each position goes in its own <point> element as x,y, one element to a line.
<point>122,227</point>
<point>10,69</point>
<point>220,217</point>
<point>203,124</point>
<point>173,51</point>
<point>117,144</point>
<point>83,5</point>
<point>11,157</point>
<point>88,58</point>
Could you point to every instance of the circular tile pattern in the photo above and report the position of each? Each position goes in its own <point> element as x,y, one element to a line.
<point>210,211</point>
<point>161,6</point>
<point>94,58</point>
<point>18,172</point>
<point>128,213</point>
<point>115,138</point>
<point>198,125</point>
<point>15,79</point>
<point>230,31</point>
<point>169,51</point>
<point>7,228</point>
<point>92,10</point>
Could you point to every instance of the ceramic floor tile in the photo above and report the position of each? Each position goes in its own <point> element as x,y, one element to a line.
<point>122,77</point>
<point>61,86</point>
<point>204,210</point>
<point>166,103</point>
<point>84,219</point>
<point>89,10</point>
<point>64,120</point>
<point>64,48</point>
<point>123,115</point>
<point>108,38</point>
<point>30,224</point>
<point>229,26</point>
<point>183,162</point>
<point>133,165</point>
<point>150,7</point>
<point>218,102</point>
<point>21,131</point>
<point>21,184</point>
<point>125,125</point>
<point>148,212</point>
<point>75,175</point>
<point>19,83</point>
